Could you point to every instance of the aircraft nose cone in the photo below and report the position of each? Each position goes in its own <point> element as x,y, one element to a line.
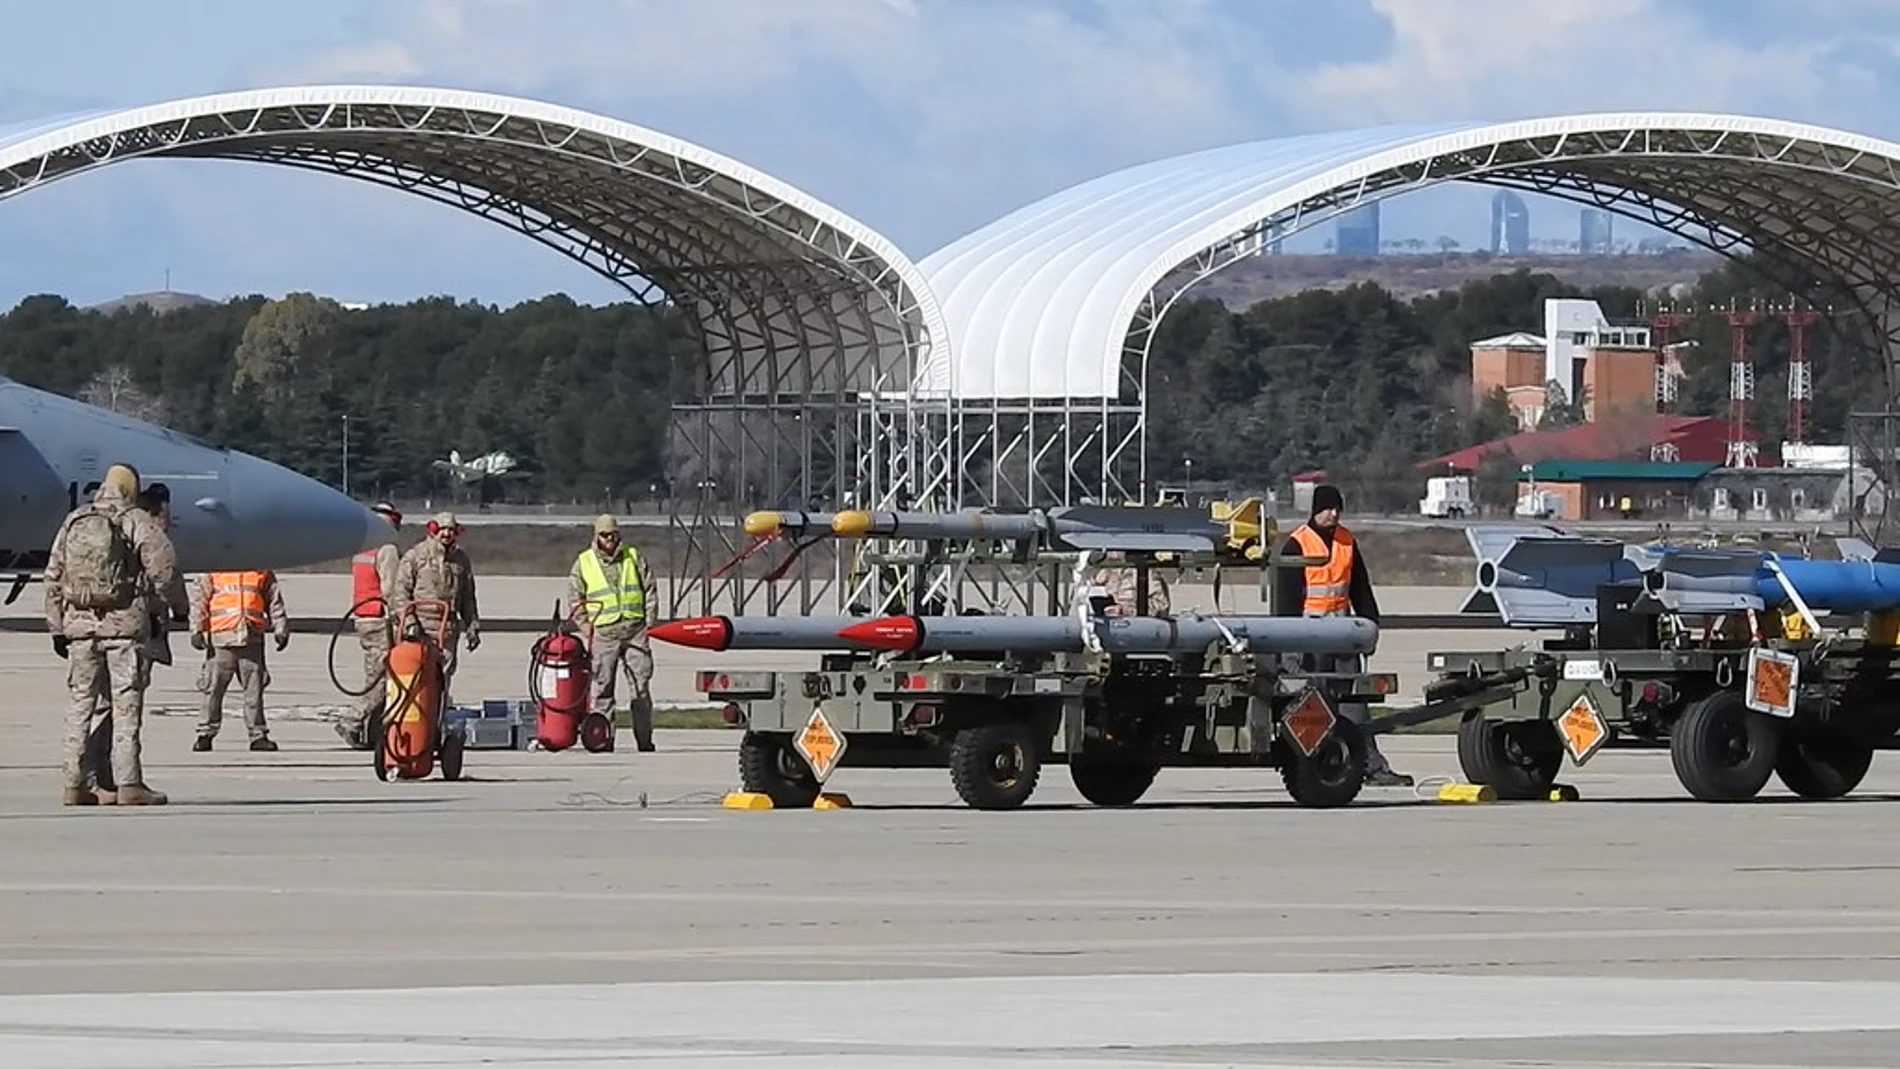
<point>290,520</point>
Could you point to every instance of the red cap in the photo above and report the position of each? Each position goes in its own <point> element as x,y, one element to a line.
<point>886,632</point>
<point>700,632</point>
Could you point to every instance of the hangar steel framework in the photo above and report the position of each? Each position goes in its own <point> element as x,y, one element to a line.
<point>807,328</point>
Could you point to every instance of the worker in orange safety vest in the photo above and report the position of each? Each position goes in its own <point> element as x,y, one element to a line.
<point>1339,587</point>
<point>372,577</point>
<point>230,614</point>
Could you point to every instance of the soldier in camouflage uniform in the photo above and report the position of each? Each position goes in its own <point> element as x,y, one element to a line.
<point>108,558</point>
<point>156,501</point>
<point>1119,586</point>
<point>615,578</point>
<point>437,568</point>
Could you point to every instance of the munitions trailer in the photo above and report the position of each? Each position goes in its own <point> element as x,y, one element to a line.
<point>1114,719</point>
<point>1731,709</point>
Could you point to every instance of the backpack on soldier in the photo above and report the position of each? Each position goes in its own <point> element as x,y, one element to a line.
<point>101,567</point>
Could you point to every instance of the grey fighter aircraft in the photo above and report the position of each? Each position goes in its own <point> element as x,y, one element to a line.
<point>229,509</point>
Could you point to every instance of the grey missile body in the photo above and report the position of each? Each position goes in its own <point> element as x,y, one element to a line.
<point>1079,527</point>
<point>1135,634</point>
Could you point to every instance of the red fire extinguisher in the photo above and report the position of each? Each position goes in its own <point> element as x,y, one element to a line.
<point>560,674</point>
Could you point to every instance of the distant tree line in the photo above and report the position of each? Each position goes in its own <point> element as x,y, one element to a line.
<point>577,395</point>
<point>1354,381</point>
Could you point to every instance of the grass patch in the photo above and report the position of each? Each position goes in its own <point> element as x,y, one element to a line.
<point>691,718</point>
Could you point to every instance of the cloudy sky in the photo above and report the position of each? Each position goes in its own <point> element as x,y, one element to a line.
<point>924,118</point>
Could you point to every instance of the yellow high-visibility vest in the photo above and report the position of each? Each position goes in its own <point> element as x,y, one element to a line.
<point>613,601</point>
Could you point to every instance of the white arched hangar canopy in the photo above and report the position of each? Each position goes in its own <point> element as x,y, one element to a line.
<point>1059,299</point>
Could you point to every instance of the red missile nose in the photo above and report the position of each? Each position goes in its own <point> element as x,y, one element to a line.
<point>700,632</point>
<point>886,633</point>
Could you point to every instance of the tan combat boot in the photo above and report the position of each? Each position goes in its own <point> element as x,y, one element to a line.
<point>78,796</point>
<point>139,794</point>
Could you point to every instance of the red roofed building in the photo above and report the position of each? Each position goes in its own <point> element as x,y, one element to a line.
<point>1636,436</point>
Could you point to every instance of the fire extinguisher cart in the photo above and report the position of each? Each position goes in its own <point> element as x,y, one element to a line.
<point>413,735</point>
<point>560,683</point>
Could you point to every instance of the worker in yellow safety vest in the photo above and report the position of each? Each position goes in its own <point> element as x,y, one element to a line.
<point>612,586</point>
<point>1341,586</point>
<point>230,614</point>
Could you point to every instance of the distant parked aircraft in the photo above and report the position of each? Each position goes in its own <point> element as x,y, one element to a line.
<point>483,472</point>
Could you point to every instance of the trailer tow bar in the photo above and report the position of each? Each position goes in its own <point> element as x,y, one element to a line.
<point>1455,697</point>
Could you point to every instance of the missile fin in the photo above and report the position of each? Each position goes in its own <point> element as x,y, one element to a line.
<point>1479,603</point>
<point>1855,549</point>
<point>1520,607</point>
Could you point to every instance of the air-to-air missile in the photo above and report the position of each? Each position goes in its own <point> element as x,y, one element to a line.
<point>756,632</point>
<point>1538,577</point>
<point>1134,529</point>
<point>1690,580</point>
<point>1128,634</point>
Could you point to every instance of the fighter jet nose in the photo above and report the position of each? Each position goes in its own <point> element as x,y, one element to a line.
<point>289,519</point>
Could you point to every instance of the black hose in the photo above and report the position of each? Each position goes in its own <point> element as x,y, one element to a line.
<point>347,624</point>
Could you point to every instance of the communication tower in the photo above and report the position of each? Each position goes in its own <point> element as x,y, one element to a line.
<point>1741,387</point>
<point>1800,374</point>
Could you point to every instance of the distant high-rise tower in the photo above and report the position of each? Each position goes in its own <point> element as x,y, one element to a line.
<point>1594,236</point>
<point>1357,232</point>
<point>1510,224</point>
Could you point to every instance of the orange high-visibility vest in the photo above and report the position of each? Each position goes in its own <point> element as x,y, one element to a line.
<point>1329,585</point>
<point>367,591</point>
<point>237,598</point>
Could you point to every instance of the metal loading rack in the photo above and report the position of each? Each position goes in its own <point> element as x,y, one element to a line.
<point>994,699</point>
<point>1745,664</point>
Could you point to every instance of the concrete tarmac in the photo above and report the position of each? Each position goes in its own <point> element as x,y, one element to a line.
<point>289,910</point>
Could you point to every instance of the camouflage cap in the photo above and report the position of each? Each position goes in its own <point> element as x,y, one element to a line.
<point>122,478</point>
<point>604,523</point>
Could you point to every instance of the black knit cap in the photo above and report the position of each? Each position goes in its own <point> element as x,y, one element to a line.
<point>1326,496</point>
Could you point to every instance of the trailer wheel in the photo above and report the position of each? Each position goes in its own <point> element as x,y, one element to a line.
<point>1334,774</point>
<point>448,754</point>
<point>995,766</point>
<point>1516,759</point>
<point>1111,783</point>
<point>1822,766</point>
<point>1722,750</point>
<point>770,767</point>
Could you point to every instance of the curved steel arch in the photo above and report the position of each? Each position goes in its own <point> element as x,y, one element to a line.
<point>1064,295</point>
<point>804,315</point>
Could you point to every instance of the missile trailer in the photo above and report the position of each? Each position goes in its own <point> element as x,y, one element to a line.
<point>1116,699</point>
<point>1742,665</point>
<point>996,720</point>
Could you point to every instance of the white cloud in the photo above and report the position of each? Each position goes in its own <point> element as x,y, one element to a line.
<point>1495,58</point>
<point>926,117</point>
